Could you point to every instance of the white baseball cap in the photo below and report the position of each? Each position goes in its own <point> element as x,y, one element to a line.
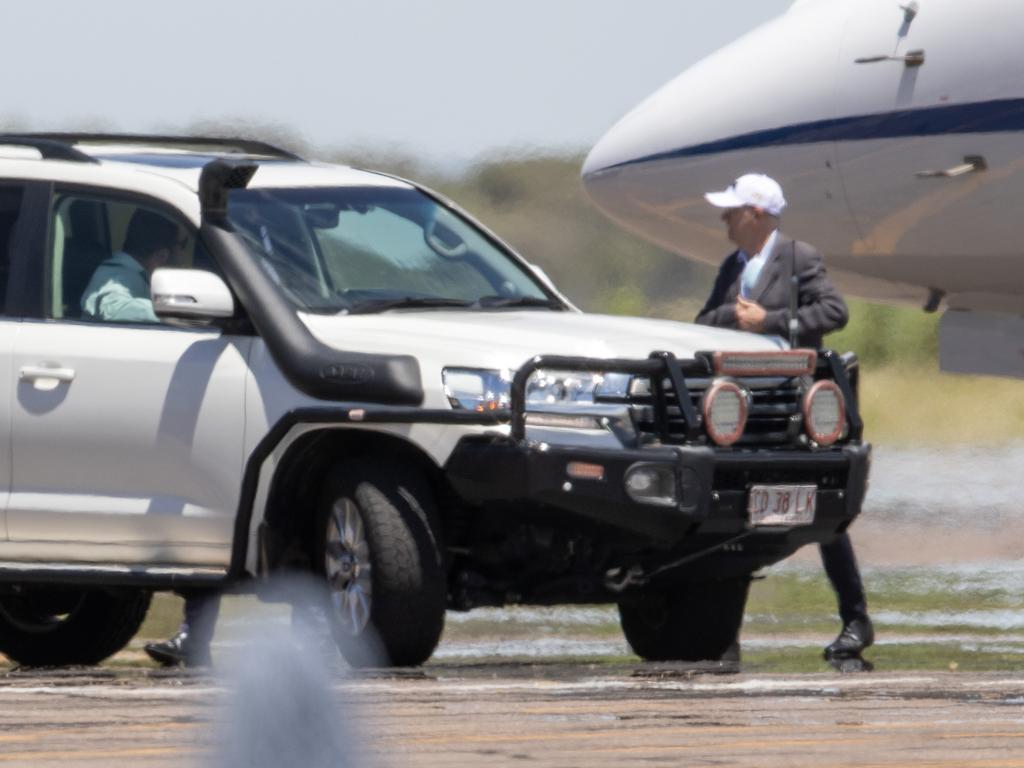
<point>754,189</point>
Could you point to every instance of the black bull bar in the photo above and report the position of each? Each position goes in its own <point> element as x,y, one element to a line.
<point>664,367</point>
<point>710,521</point>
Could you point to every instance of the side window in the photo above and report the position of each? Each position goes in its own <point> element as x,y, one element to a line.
<point>10,209</point>
<point>103,251</point>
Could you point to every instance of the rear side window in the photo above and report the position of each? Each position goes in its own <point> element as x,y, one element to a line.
<point>11,198</point>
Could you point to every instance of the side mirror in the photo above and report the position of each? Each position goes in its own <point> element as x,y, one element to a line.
<point>191,294</point>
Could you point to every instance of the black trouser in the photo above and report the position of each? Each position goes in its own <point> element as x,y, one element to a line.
<point>841,568</point>
<point>201,609</point>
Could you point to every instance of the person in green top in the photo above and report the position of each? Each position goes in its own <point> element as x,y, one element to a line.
<point>118,290</point>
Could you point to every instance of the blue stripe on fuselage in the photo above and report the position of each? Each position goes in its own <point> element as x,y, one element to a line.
<point>979,117</point>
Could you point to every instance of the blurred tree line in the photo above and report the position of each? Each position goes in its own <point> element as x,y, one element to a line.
<point>536,203</point>
<point>883,335</point>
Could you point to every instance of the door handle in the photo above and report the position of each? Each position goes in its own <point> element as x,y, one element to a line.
<point>45,377</point>
<point>911,59</point>
<point>971,164</point>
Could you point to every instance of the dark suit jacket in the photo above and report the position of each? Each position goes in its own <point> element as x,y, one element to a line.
<point>820,308</point>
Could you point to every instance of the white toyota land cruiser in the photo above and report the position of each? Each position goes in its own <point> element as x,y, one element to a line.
<point>345,374</point>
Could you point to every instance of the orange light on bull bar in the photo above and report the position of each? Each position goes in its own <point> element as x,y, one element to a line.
<point>581,470</point>
<point>790,362</point>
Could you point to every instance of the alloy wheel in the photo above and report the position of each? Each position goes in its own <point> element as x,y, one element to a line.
<point>347,566</point>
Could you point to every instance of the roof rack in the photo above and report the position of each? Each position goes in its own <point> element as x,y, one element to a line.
<point>49,149</point>
<point>66,140</point>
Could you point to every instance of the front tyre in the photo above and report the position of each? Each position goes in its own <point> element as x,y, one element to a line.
<point>694,621</point>
<point>378,550</point>
<point>54,627</point>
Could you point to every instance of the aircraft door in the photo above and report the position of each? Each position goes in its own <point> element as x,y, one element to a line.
<point>929,170</point>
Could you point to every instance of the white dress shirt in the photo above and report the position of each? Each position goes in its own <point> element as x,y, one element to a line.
<point>754,265</point>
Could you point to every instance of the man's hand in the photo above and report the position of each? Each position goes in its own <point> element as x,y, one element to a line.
<point>750,315</point>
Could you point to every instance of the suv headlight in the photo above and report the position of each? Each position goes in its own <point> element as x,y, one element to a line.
<point>557,387</point>
<point>482,390</point>
<point>475,389</point>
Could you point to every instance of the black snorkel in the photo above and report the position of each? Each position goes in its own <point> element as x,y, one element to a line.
<point>310,365</point>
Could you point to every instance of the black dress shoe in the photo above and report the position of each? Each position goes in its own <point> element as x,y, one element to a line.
<point>180,650</point>
<point>855,636</point>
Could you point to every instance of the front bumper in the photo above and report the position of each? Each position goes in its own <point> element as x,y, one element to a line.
<point>713,485</point>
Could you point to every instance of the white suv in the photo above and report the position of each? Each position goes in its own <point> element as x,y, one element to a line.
<point>341,372</point>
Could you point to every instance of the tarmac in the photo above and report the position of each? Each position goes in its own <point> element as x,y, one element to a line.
<point>546,714</point>
<point>472,705</point>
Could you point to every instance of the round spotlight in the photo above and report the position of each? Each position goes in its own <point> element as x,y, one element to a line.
<point>725,411</point>
<point>824,412</point>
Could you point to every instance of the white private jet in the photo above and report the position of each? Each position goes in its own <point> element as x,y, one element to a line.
<point>896,132</point>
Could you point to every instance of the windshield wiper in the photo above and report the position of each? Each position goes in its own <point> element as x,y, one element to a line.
<point>402,302</point>
<point>489,302</point>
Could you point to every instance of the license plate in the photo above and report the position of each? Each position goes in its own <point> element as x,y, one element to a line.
<point>782,504</point>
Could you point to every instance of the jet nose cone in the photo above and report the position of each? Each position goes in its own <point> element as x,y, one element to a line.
<point>734,112</point>
<point>727,100</point>
<point>617,147</point>
<point>683,115</point>
<point>616,172</point>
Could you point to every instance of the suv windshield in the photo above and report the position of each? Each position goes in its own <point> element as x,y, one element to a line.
<point>368,249</point>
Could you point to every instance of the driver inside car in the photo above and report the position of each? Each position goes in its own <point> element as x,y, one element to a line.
<point>119,288</point>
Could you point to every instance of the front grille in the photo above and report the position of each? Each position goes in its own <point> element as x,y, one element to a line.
<point>774,418</point>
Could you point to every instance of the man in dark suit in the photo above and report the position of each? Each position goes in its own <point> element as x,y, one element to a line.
<point>753,292</point>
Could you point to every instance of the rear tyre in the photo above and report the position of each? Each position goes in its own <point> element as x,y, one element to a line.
<point>695,621</point>
<point>378,550</point>
<point>52,627</point>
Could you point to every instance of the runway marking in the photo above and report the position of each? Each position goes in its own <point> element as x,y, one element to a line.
<point>656,730</point>
<point>727,746</point>
<point>817,686</point>
<point>72,730</point>
<point>102,692</point>
<point>775,727</point>
<point>81,754</point>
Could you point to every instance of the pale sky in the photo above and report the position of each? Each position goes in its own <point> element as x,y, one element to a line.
<point>446,80</point>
